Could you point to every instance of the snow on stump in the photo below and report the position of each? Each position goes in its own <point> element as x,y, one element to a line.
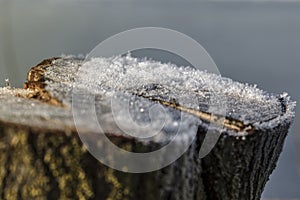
<point>49,143</point>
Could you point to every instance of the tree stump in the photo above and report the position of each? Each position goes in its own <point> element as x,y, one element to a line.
<point>43,157</point>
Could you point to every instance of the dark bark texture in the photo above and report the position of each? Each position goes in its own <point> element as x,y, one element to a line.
<point>55,165</point>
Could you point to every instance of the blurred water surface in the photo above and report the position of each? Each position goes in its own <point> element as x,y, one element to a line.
<point>254,42</point>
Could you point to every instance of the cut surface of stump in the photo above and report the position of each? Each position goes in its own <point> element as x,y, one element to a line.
<point>43,157</point>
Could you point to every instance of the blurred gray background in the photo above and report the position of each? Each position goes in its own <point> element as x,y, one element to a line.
<point>250,41</point>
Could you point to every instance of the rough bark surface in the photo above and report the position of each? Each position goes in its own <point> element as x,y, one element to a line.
<point>55,165</point>
<point>237,169</point>
<point>42,156</point>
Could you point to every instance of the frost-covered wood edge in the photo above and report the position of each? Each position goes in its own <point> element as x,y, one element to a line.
<point>42,157</point>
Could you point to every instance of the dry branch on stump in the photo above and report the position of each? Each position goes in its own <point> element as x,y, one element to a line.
<point>42,156</point>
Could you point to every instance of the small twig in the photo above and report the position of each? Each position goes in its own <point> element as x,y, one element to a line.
<point>7,84</point>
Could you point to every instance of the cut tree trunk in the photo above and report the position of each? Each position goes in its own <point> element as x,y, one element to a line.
<point>43,157</point>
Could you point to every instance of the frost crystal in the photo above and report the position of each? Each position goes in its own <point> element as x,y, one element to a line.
<point>137,84</point>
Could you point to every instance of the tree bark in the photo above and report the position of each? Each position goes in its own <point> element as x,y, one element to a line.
<point>42,156</point>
